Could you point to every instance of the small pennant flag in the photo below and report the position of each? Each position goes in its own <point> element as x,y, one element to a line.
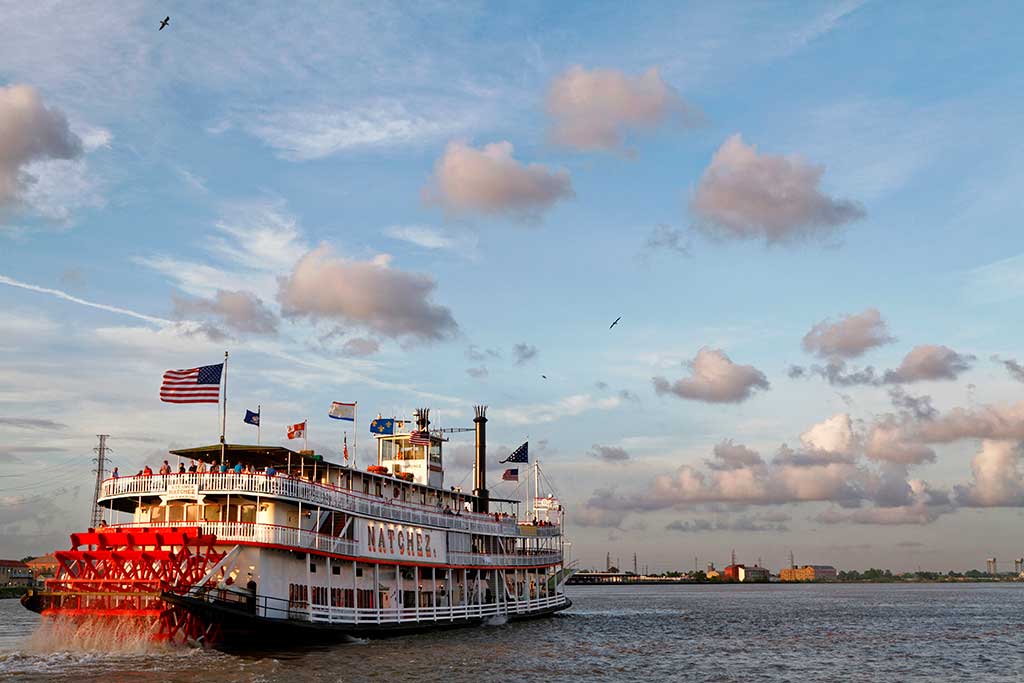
<point>521,454</point>
<point>344,448</point>
<point>297,431</point>
<point>342,411</point>
<point>252,418</point>
<point>511,474</point>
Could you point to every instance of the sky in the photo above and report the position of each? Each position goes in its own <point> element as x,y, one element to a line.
<point>802,212</point>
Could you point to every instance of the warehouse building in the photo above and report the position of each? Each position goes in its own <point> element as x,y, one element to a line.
<point>809,572</point>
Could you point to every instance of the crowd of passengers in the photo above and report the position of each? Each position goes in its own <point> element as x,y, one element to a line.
<point>202,467</point>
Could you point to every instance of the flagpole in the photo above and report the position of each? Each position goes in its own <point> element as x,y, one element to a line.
<point>305,434</point>
<point>259,421</point>
<point>355,429</point>
<point>224,412</point>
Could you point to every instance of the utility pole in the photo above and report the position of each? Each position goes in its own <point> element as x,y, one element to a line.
<point>607,561</point>
<point>101,470</point>
<point>634,564</point>
<point>792,564</point>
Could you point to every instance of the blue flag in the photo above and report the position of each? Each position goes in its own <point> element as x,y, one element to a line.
<point>521,454</point>
<point>252,418</point>
<point>383,425</point>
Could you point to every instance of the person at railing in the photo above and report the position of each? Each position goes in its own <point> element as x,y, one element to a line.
<point>223,469</point>
<point>115,474</point>
<point>270,471</point>
<point>146,471</point>
<point>193,468</point>
<point>238,467</point>
<point>165,469</point>
<point>202,467</point>
<point>251,598</point>
<point>181,468</point>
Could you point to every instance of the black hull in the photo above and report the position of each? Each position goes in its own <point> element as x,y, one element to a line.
<point>240,629</point>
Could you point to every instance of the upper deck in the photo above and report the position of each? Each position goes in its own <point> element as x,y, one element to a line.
<point>392,503</point>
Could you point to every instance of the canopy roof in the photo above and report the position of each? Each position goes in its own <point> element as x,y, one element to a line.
<point>257,456</point>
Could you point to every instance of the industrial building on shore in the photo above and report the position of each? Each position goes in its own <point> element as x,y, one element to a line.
<point>809,572</point>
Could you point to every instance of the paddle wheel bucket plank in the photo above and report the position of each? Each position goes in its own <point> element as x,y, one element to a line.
<point>121,575</point>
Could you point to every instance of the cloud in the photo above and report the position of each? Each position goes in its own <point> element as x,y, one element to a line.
<point>715,379</point>
<point>474,353</point>
<point>240,311</point>
<point>612,454</point>
<point>1015,369</point>
<point>739,524</point>
<point>523,352</point>
<point>570,406</point>
<point>744,195</point>
<point>431,238</point>
<point>848,337</point>
<point>920,407</point>
<point>733,456</point>
<point>995,422</point>
<point>358,347</point>
<point>890,441</point>
<point>489,181</point>
<point>924,505</point>
<point>834,435</point>
<point>589,516</point>
<point>665,238</point>
<point>997,479</point>
<point>29,132</point>
<point>929,362</point>
<point>477,373</point>
<point>595,109</point>
<point>31,423</point>
<point>78,300</point>
<point>389,302</point>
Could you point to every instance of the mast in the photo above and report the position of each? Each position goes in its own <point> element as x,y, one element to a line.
<point>224,412</point>
<point>101,467</point>
<point>259,419</point>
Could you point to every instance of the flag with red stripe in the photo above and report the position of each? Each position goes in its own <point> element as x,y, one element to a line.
<point>194,385</point>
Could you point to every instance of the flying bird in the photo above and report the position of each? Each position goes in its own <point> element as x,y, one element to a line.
<point>615,323</point>
<point>544,376</point>
<point>163,24</point>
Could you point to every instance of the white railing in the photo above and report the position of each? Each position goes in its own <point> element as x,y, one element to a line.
<point>482,560</point>
<point>265,534</point>
<point>196,483</point>
<point>404,615</point>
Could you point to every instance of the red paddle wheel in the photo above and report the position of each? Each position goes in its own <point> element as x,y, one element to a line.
<point>120,573</point>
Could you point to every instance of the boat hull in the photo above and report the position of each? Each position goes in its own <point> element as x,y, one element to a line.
<point>240,629</point>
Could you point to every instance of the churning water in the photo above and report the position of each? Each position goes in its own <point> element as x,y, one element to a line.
<point>771,633</point>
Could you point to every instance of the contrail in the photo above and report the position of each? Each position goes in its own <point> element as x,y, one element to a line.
<point>74,299</point>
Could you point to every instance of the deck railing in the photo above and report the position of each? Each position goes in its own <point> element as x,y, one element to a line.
<point>302,539</point>
<point>306,492</point>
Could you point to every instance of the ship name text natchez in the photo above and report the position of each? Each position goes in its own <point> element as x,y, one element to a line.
<point>264,543</point>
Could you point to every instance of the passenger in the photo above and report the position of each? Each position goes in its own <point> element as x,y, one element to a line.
<point>447,510</point>
<point>146,471</point>
<point>202,467</point>
<point>181,468</point>
<point>223,468</point>
<point>114,474</point>
<point>238,467</point>
<point>271,472</point>
<point>193,468</point>
<point>165,468</point>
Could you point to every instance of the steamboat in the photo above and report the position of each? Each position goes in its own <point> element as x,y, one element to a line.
<point>294,548</point>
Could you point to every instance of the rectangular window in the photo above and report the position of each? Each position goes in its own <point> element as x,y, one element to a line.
<point>176,513</point>
<point>336,570</point>
<point>211,512</point>
<point>312,567</point>
<point>248,513</point>
<point>158,514</point>
<point>359,571</point>
<point>192,513</point>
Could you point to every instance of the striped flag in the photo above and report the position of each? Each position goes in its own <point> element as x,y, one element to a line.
<point>195,385</point>
<point>420,438</point>
<point>297,431</point>
<point>511,474</point>
<point>342,411</point>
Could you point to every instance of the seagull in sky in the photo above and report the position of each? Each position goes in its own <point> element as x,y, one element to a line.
<point>615,323</point>
<point>163,24</point>
<point>544,376</point>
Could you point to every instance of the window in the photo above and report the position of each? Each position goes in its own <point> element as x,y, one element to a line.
<point>192,513</point>
<point>176,513</point>
<point>312,567</point>
<point>377,488</point>
<point>366,485</point>
<point>359,571</point>
<point>336,570</point>
<point>158,514</point>
<point>248,513</point>
<point>211,512</point>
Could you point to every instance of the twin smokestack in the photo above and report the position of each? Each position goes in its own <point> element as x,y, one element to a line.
<point>482,501</point>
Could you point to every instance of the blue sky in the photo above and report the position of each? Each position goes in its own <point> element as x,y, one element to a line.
<point>366,202</point>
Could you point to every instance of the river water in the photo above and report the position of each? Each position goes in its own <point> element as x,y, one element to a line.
<point>840,632</point>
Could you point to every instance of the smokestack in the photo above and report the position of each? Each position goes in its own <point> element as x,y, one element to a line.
<point>482,503</point>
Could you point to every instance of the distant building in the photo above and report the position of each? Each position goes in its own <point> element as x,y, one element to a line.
<point>731,573</point>
<point>809,572</point>
<point>990,566</point>
<point>753,574</point>
<point>15,573</point>
<point>43,568</point>
<point>713,574</point>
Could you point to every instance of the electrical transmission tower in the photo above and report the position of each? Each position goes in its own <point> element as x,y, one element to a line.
<point>101,471</point>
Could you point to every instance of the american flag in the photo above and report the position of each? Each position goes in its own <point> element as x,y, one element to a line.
<point>511,474</point>
<point>195,385</point>
<point>420,438</point>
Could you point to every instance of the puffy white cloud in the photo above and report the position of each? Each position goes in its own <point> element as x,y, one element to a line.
<point>739,524</point>
<point>491,181</point>
<point>715,379</point>
<point>848,337</point>
<point>746,195</point>
<point>389,302</point>
<point>595,109</point>
<point>240,311</point>
<point>982,422</point>
<point>924,505</point>
<point>29,132</point>
<point>539,413</point>
<point>834,435</point>
<point>997,479</point>
<point>889,441</point>
<point>1015,369</point>
<point>929,362</point>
